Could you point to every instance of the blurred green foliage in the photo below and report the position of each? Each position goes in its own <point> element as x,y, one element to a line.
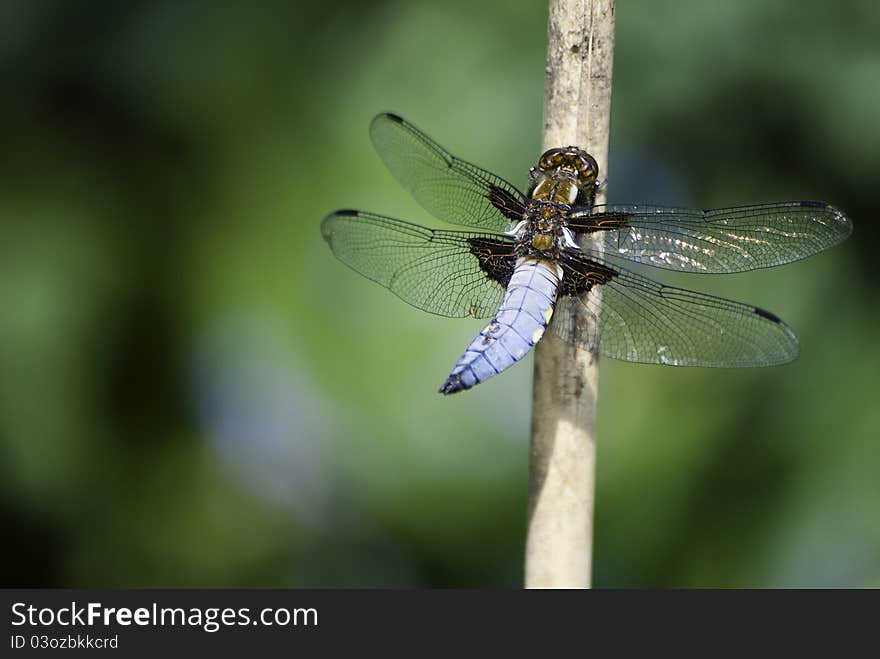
<point>193,392</point>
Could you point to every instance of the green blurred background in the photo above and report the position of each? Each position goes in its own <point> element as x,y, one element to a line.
<point>194,392</point>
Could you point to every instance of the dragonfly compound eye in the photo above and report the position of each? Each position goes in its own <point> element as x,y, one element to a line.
<point>552,159</point>
<point>572,159</point>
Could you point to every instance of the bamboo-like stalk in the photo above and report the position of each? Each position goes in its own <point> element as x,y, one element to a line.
<point>577,108</point>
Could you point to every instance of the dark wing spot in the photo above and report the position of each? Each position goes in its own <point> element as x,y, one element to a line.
<point>769,316</point>
<point>598,222</point>
<point>813,204</point>
<point>346,212</point>
<point>580,274</point>
<point>496,258</point>
<point>511,207</point>
<point>394,117</point>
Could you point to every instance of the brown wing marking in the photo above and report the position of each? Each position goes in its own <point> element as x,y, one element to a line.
<point>598,222</point>
<point>496,258</point>
<point>580,274</point>
<point>509,206</point>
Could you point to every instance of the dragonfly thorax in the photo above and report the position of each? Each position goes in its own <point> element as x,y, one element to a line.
<point>542,241</point>
<point>542,231</point>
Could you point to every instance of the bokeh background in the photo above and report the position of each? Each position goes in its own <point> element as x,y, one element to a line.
<point>194,392</point>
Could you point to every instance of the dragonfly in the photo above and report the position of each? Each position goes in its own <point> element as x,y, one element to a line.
<point>524,263</point>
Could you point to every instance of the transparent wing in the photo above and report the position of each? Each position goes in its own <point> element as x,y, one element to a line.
<point>719,240</point>
<point>450,273</point>
<point>640,320</point>
<point>452,190</point>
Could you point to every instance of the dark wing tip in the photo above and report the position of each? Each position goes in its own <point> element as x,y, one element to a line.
<point>772,317</point>
<point>326,229</point>
<point>844,224</point>
<point>389,116</point>
<point>787,347</point>
<point>382,123</point>
<point>842,220</point>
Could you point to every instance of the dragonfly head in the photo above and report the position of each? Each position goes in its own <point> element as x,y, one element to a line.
<point>571,160</point>
<point>565,175</point>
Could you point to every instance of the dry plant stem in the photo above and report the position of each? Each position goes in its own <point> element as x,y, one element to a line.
<point>577,108</point>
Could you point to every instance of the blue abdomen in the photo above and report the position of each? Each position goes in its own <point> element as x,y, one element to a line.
<point>519,324</point>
